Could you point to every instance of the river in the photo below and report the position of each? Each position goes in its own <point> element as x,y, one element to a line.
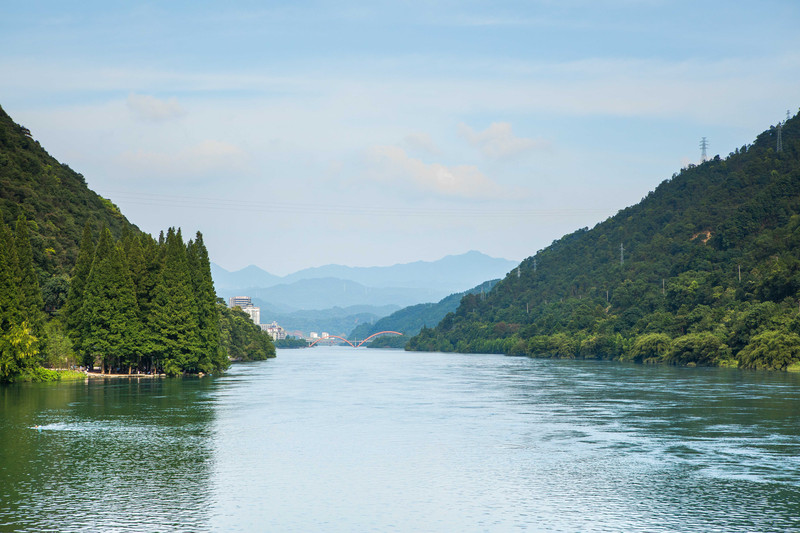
<point>342,439</point>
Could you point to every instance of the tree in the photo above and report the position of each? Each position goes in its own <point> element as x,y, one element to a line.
<point>211,357</point>
<point>80,275</point>
<point>18,349</point>
<point>173,314</point>
<point>651,347</point>
<point>9,295</point>
<point>771,350</point>
<point>28,282</point>
<point>109,329</point>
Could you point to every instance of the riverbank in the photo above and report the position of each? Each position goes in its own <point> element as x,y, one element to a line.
<point>100,375</point>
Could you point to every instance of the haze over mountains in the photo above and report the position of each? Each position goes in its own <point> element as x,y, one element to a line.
<point>342,286</point>
<point>338,298</point>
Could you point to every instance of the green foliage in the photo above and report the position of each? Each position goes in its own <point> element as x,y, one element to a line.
<point>124,301</point>
<point>650,347</point>
<point>771,350</point>
<point>52,197</point>
<point>109,328</point>
<point>697,349</point>
<point>241,339</point>
<point>291,342</point>
<point>388,341</point>
<point>711,275</point>
<point>27,281</point>
<point>58,352</point>
<point>18,349</point>
<point>410,320</point>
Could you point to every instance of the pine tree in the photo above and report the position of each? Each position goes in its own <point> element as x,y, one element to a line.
<point>80,275</point>
<point>212,357</point>
<point>145,283</point>
<point>173,312</point>
<point>109,327</point>
<point>9,295</point>
<point>28,285</point>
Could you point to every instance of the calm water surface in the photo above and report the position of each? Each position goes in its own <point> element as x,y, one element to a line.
<point>337,439</point>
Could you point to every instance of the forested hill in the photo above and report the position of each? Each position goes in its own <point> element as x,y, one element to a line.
<point>55,197</point>
<point>704,270</point>
<point>410,320</point>
<point>82,286</point>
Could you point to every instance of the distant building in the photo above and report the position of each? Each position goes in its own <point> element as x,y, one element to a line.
<point>246,305</point>
<point>313,335</point>
<point>274,330</point>
<point>241,301</point>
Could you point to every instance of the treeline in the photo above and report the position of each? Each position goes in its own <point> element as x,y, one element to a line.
<point>133,305</point>
<point>21,315</point>
<point>410,320</point>
<point>705,270</point>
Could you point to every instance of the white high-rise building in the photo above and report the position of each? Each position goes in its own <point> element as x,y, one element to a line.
<point>241,301</point>
<point>246,305</point>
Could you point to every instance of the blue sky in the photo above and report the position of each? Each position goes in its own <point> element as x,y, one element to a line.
<point>305,133</point>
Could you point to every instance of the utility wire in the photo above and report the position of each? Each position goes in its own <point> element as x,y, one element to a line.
<point>191,202</point>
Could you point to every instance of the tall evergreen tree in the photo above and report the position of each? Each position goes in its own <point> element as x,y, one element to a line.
<point>80,275</point>
<point>173,313</point>
<point>145,282</point>
<point>212,357</point>
<point>109,317</point>
<point>9,295</point>
<point>28,284</point>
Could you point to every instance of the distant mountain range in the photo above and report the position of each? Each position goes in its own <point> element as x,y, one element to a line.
<point>337,298</point>
<point>410,320</point>
<point>342,286</point>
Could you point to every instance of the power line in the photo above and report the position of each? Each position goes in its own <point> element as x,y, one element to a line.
<point>192,202</point>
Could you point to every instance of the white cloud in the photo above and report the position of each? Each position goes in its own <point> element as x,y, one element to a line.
<point>207,158</point>
<point>391,163</point>
<point>421,142</point>
<point>147,107</point>
<point>498,140</point>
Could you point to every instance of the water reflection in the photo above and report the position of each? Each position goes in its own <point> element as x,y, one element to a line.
<point>352,440</point>
<point>115,455</point>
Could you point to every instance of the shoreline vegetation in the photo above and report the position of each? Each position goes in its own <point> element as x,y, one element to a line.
<point>135,307</point>
<point>703,271</point>
<point>80,285</point>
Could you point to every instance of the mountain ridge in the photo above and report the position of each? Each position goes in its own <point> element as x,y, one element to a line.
<point>472,263</point>
<point>644,286</point>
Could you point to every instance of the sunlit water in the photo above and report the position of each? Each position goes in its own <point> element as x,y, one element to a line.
<point>335,439</point>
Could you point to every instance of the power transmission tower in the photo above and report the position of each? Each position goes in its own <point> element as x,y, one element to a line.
<point>703,147</point>
<point>780,141</point>
<point>621,254</point>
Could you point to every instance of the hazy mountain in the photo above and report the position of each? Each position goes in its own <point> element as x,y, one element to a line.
<point>250,276</point>
<point>325,293</point>
<point>336,321</point>
<point>410,320</point>
<point>453,273</point>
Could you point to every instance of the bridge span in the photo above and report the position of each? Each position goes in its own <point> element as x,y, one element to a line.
<point>329,337</point>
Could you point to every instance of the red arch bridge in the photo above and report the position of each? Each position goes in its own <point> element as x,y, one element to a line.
<point>331,337</point>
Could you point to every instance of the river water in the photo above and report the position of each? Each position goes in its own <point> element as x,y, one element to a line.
<point>342,439</point>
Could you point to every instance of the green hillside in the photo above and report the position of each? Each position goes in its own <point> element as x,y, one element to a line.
<point>52,196</point>
<point>80,285</point>
<point>704,270</point>
<point>410,320</point>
